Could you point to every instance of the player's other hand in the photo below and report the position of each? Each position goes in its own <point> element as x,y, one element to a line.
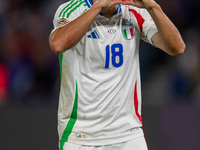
<point>107,4</point>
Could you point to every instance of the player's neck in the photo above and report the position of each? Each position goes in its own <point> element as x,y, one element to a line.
<point>109,12</point>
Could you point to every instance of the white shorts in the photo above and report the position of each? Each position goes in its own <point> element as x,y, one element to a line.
<point>135,144</point>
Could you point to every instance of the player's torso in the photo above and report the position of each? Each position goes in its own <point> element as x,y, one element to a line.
<point>106,54</point>
<point>109,44</point>
<point>105,66</point>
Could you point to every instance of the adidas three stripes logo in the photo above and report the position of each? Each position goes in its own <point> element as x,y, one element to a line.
<point>94,35</point>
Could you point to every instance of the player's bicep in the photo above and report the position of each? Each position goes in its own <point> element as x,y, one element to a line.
<point>157,41</point>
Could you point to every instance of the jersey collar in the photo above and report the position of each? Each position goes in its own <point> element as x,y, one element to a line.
<point>90,3</point>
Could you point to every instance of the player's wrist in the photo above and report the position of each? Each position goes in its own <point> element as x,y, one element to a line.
<point>150,7</point>
<point>102,5</point>
<point>96,8</point>
<point>97,5</point>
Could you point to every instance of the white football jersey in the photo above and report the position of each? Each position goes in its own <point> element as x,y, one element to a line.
<point>100,95</point>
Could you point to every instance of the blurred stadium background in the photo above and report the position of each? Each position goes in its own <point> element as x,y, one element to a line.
<point>29,79</point>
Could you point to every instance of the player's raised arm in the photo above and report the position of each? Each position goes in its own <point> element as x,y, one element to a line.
<point>168,37</point>
<point>64,38</point>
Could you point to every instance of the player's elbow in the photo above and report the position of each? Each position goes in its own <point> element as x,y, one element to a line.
<point>59,46</point>
<point>56,47</point>
<point>178,49</point>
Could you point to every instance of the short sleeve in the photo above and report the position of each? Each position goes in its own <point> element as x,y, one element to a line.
<point>62,16</point>
<point>148,28</point>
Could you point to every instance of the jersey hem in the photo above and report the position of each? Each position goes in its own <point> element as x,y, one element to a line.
<point>106,141</point>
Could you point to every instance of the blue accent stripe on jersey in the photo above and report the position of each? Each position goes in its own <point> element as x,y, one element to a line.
<point>119,10</point>
<point>89,3</point>
<point>96,34</point>
<point>100,14</point>
<point>93,35</point>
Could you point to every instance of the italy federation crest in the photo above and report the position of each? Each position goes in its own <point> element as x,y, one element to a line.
<point>128,30</point>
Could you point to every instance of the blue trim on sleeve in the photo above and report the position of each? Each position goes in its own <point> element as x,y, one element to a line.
<point>90,3</point>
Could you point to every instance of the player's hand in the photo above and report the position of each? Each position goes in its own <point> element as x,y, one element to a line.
<point>147,4</point>
<point>106,4</point>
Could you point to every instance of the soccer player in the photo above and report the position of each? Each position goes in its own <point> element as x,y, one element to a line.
<point>98,46</point>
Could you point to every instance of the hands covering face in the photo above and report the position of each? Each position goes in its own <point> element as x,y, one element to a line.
<point>137,3</point>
